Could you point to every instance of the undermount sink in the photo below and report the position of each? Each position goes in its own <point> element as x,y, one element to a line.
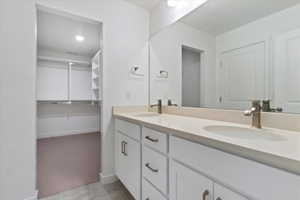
<point>147,114</point>
<point>244,133</point>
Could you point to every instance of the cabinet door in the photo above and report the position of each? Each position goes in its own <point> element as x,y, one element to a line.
<point>186,184</point>
<point>222,193</point>
<point>128,164</point>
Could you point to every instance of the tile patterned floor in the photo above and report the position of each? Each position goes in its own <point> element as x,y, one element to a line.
<point>95,191</point>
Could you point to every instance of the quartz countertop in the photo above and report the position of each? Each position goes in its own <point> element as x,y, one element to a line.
<point>282,154</point>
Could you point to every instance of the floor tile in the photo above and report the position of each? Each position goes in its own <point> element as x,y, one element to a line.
<point>95,191</point>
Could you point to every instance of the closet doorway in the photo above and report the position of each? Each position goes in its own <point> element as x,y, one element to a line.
<point>192,77</point>
<point>69,101</point>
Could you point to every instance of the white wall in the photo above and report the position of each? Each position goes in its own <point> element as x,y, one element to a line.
<point>166,54</point>
<point>17,94</point>
<point>126,31</point>
<point>62,120</point>
<point>259,30</point>
<point>266,30</point>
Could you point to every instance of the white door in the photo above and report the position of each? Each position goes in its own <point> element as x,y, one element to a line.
<point>242,75</point>
<point>222,193</point>
<point>186,184</point>
<point>287,72</point>
<point>128,164</point>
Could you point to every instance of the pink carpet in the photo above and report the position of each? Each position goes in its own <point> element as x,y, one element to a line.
<point>67,162</point>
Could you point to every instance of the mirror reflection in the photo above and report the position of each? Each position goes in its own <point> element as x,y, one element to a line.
<point>228,53</point>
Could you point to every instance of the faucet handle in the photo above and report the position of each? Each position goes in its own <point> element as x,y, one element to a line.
<point>256,103</point>
<point>250,111</point>
<point>159,103</point>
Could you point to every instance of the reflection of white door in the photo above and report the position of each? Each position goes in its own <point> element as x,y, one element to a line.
<point>287,72</point>
<point>242,76</point>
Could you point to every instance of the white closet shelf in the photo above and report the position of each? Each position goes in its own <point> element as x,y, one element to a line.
<point>62,60</point>
<point>66,102</point>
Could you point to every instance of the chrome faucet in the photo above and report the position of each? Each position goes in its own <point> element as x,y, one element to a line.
<point>255,111</point>
<point>158,105</point>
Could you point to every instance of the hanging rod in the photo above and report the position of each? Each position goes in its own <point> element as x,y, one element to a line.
<point>62,60</point>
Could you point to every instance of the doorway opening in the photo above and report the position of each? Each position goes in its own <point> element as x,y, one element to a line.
<point>69,101</point>
<point>192,73</point>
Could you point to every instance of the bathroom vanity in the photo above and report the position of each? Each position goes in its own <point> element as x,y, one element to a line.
<point>160,157</point>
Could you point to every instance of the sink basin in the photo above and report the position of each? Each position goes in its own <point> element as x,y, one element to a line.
<point>244,133</point>
<point>147,114</point>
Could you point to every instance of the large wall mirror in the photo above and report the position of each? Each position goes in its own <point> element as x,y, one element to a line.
<point>227,53</point>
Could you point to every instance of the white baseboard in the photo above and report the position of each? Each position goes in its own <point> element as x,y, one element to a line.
<point>34,196</point>
<point>107,179</point>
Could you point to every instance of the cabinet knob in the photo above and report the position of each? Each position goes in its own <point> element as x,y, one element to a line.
<point>205,195</point>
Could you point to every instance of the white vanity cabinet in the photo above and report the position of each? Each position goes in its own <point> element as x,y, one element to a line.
<point>128,156</point>
<point>165,167</point>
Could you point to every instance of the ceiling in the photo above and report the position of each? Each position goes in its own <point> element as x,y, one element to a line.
<point>219,16</point>
<point>147,4</point>
<point>57,33</point>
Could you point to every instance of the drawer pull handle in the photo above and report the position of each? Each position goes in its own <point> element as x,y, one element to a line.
<point>219,198</point>
<point>205,194</point>
<point>151,139</point>
<point>149,167</point>
<point>123,147</point>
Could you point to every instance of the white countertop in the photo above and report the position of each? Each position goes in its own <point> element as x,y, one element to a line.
<point>283,154</point>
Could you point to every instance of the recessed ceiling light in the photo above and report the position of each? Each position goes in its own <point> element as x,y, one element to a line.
<point>79,38</point>
<point>172,3</point>
<point>184,3</point>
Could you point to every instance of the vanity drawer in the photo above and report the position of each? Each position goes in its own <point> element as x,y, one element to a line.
<point>127,128</point>
<point>155,139</point>
<point>155,168</point>
<point>150,193</point>
<point>222,193</point>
